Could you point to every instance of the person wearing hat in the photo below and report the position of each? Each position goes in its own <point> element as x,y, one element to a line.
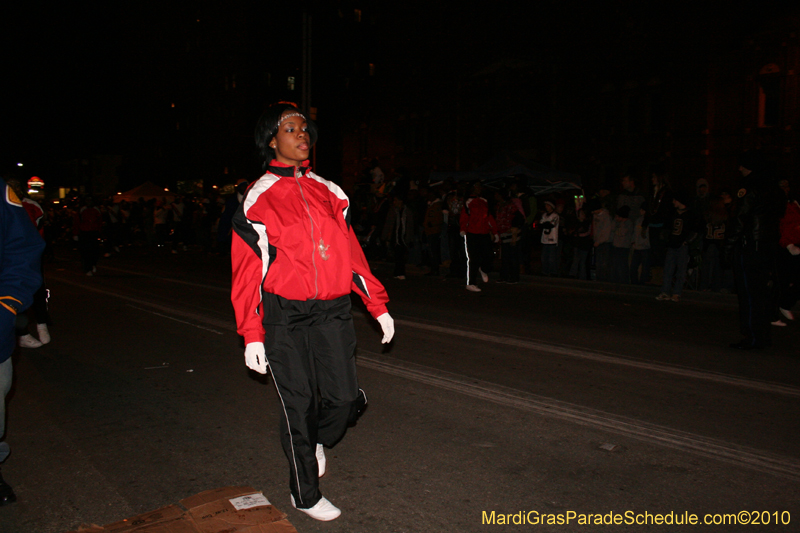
<point>683,230</point>
<point>751,243</point>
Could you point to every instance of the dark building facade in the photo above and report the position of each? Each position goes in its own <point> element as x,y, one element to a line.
<point>694,104</point>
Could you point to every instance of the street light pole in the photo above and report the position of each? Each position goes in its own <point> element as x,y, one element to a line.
<point>305,97</point>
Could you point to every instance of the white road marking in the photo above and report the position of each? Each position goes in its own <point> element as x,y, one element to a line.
<point>688,442</point>
<point>605,357</point>
<point>652,433</point>
<point>528,344</point>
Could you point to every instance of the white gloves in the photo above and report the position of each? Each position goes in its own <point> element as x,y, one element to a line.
<point>255,358</point>
<point>387,325</point>
<point>794,250</point>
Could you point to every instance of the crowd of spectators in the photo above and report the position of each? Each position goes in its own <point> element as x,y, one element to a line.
<point>104,227</point>
<point>638,230</point>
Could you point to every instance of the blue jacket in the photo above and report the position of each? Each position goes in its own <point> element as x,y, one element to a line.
<point>21,249</point>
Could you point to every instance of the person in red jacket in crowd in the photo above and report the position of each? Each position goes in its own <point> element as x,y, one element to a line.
<point>479,230</point>
<point>788,259</point>
<point>295,260</point>
<point>86,227</point>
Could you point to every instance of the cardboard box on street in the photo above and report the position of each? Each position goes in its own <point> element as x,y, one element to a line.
<point>223,510</point>
<point>234,510</point>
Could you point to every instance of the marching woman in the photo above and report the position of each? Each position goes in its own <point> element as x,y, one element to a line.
<point>295,260</point>
<point>479,230</point>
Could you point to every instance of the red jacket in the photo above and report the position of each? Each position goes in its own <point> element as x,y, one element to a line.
<point>790,225</point>
<point>292,237</point>
<point>475,217</point>
<point>88,218</point>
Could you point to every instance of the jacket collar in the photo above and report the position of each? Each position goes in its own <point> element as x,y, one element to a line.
<point>287,171</point>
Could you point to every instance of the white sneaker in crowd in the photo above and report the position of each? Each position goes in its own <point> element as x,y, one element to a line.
<point>788,314</point>
<point>473,288</point>
<point>778,323</point>
<point>322,511</point>
<point>321,461</point>
<point>29,341</point>
<point>44,333</point>
<point>484,277</point>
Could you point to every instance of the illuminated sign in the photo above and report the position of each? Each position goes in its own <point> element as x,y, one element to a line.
<point>35,182</point>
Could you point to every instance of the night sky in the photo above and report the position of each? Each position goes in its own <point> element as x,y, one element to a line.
<point>100,78</point>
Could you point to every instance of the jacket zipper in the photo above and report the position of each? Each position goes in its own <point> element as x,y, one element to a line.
<point>311,219</point>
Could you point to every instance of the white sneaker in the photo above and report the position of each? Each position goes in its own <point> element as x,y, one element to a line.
<point>29,341</point>
<point>484,277</point>
<point>399,277</point>
<point>473,288</point>
<point>44,333</point>
<point>788,314</point>
<point>778,323</point>
<point>322,511</point>
<point>663,297</point>
<point>321,461</point>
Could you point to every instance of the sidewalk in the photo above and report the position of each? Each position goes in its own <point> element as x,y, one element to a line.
<point>642,291</point>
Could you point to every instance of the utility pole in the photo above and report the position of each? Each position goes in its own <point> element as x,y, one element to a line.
<point>305,97</point>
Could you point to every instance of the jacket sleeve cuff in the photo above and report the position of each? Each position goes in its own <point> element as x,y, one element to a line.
<point>12,304</point>
<point>377,310</point>
<point>253,336</point>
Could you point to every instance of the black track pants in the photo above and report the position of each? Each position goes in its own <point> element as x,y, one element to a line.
<point>310,349</point>
<point>479,256</point>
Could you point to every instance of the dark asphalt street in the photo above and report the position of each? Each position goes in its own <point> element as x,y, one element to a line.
<point>547,397</point>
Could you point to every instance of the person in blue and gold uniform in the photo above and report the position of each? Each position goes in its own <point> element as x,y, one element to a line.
<point>21,249</point>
